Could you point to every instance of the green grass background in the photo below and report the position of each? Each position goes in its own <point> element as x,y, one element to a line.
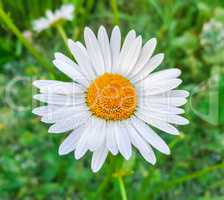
<point>30,167</point>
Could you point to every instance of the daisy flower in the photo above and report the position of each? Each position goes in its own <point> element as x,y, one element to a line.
<point>114,101</point>
<point>212,36</point>
<point>51,18</point>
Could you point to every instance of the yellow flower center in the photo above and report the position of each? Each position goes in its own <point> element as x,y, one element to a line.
<point>111,97</point>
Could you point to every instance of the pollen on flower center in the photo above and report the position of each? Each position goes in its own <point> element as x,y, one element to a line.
<point>111,97</point>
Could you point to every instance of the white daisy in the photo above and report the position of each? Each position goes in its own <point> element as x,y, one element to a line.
<point>114,100</point>
<point>51,18</point>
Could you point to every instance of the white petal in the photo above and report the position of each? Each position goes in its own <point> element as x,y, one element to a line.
<point>82,145</point>
<point>97,135</point>
<point>80,54</point>
<point>164,109</point>
<point>98,158</point>
<point>170,118</point>
<point>123,141</point>
<point>61,57</point>
<point>69,123</point>
<point>71,72</point>
<point>110,138</point>
<point>176,93</point>
<point>60,99</point>
<point>130,57</point>
<point>181,94</point>
<point>70,142</point>
<point>43,110</point>
<point>164,126</point>
<point>115,45</point>
<point>154,88</point>
<point>124,50</point>
<point>151,65</point>
<point>169,101</point>
<point>94,51</point>
<point>163,75</point>
<point>148,154</point>
<point>144,57</point>
<point>105,47</point>
<point>45,83</point>
<point>150,136</point>
<point>64,113</point>
<point>141,145</point>
<point>58,87</point>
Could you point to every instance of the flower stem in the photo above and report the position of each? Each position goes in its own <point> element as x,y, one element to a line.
<point>12,27</point>
<point>122,188</point>
<point>115,10</point>
<point>62,33</point>
<point>64,37</point>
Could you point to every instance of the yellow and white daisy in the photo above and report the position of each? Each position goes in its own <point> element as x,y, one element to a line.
<point>114,100</point>
<point>51,18</point>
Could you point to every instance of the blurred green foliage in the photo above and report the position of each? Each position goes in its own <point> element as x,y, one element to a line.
<point>30,167</point>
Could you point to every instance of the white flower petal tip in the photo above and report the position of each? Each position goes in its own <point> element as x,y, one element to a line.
<point>185,93</point>
<point>153,162</point>
<point>36,97</point>
<point>160,58</point>
<point>127,157</point>
<point>98,158</point>
<point>154,40</point>
<point>185,121</point>
<point>70,142</point>
<point>35,83</point>
<point>61,151</point>
<point>175,133</point>
<point>101,129</point>
<point>35,111</point>
<point>70,42</point>
<point>52,129</point>
<point>58,55</point>
<point>152,43</point>
<point>168,152</point>
<point>87,31</point>
<point>165,149</point>
<point>102,28</point>
<point>149,156</point>
<point>78,154</point>
<point>95,168</point>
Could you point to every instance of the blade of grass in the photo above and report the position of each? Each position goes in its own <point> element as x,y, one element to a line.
<point>122,188</point>
<point>166,185</point>
<point>177,181</point>
<point>157,8</point>
<point>63,35</point>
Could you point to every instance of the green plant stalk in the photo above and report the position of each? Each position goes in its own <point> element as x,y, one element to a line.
<point>122,188</point>
<point>166,185</point>
<point>115,10</point>
<point>64,37</point>
<point>62,33</point>
<point>193,175</point>
<point>107,179</point>
<point>12,27</point>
